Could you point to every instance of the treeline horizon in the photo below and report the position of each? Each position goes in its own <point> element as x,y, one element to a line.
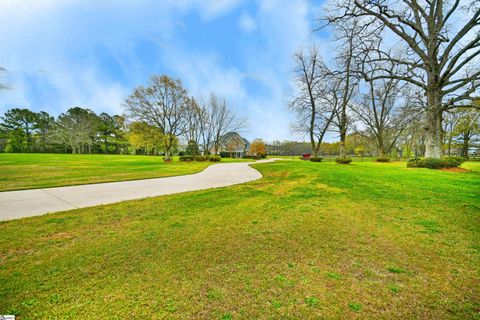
<point>158,118</point>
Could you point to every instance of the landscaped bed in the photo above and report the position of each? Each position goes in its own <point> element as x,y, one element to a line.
<point>308,241</point>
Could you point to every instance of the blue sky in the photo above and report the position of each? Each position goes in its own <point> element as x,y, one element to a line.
<point>92,53</point>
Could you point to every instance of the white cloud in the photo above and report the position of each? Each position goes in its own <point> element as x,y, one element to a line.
<point>246,23</point>
<point>53,44</point>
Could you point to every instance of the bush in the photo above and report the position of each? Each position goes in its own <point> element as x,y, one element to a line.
<point>434,163</point>
<point>223,154</point>
<point>214,158</point>
<point>343,160</point>
<point>416,162</point>
<point>457,160</point>
<point>383,159</point>
<point>181,153</point>
<point>186,158</point>
<point>263,156</point>
<point>200,158</point>
<point>316,159</point>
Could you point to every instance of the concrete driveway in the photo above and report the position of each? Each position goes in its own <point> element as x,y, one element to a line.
<point>27,203</point>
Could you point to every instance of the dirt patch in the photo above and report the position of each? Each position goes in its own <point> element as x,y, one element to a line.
<point>455,170</point>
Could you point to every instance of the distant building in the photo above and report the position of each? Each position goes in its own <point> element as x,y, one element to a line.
<point>234,145</point>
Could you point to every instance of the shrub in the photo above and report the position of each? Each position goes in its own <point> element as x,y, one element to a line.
<point>223,154</point>
<point>200,158</point>
<point>181,153</point>
<point>457,160</point>
<point>434,163</point>
<point>214,158</point>
<point>383,159</point>
<point>416,162</point>
<point>186,158</point>
<point>316,159</point>
<point>263,156</point>
<point>343,160</point>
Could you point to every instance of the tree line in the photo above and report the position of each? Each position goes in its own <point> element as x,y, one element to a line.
<point>158,118</point>
<point>420,88</point>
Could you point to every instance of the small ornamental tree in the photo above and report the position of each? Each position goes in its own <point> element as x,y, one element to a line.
<point>257,148</point>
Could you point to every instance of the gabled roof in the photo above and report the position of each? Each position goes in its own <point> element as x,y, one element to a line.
<point>230,135</point>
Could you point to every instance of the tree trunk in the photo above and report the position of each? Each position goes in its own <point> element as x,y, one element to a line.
<point>466,143</point>
<point>343,136</point>
<point>433,126</point>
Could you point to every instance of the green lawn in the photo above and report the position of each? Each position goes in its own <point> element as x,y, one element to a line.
<point>308,241</point>
<point>36,170</point>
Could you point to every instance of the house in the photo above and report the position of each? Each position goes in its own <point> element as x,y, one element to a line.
<point>234,145</point>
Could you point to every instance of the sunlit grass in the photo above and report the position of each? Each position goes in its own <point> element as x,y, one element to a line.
<point>27,171</point>
<point>308,241</point>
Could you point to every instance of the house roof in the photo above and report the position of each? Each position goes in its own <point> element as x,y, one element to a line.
<point>232,135</point>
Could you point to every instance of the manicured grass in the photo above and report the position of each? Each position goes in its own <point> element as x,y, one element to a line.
<point>35,170</point>
<point>308,241</point>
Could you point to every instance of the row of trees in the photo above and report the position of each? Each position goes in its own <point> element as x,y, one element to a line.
<point>412,87</point>
<point>158,118</point>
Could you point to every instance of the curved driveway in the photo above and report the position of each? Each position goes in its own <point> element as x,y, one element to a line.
<point>26,203</point>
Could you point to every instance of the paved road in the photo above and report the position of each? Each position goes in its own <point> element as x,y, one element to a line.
<point>27,203</point>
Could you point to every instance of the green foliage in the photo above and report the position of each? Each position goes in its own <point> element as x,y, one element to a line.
<point>396,270</point>
<point>186,158</point>
<point>455,160</point>
<point>200,158</point>
<point>333,275</point>
<point>316,159</point>
<point>20,123</point>
<point>214,158</point>
<point>355,306</point>
<point>434,163</point>
<point>415,162</point>
<point>192,148</point>
<point>343,160</point>
<point>311,301</point>
<point>382,159</point>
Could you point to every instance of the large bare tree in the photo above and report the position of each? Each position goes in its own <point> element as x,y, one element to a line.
<point>349,34</point>
<point>317,101</point>
<point>439,44</point>
<point>385,111</point>
<point>164,103</point>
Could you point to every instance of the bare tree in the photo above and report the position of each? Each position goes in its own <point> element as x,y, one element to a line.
<point>163,103</point>
<point>316,103</point>
<point>386,110</point>
<point>347,33</point>
<point>194,118</point>
<point>221,120</point>
<point>450,121</point>
<point>207,131</point>
<point>76,127</point>
<point>440,42</point>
